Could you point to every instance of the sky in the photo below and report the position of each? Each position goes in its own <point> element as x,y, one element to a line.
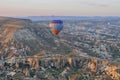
<point>60,7</point>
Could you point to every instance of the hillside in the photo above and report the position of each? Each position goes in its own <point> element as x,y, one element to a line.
<point>22,37</point>
<point>82,51</point>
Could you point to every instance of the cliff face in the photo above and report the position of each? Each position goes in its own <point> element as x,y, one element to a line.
<point>76,68</point>
<point>111,70</point>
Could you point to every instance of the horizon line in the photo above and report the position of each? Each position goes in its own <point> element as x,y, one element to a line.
<point>61,16</point>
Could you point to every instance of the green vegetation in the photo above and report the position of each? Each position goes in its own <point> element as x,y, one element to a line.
<point>55,71</point>
<point>116,54</point>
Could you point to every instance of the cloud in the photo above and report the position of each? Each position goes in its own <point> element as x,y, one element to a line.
<point>94,4</point>
<point>98,5</point>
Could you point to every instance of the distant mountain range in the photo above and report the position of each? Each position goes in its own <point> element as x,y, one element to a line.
<point>47,18</point>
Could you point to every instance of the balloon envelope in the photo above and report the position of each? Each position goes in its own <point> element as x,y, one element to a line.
<point>56,26</point>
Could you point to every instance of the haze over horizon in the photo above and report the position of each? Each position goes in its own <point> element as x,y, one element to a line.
<point>59,8</point>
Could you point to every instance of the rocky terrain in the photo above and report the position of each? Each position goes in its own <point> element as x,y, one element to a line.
<point>84,50</point>
<point>22,37</point>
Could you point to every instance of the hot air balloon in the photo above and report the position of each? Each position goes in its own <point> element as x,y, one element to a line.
<point>56,26</point>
